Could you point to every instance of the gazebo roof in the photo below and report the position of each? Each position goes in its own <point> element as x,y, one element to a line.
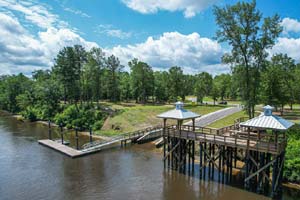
<point>268,121</point>
<point>178,113</point>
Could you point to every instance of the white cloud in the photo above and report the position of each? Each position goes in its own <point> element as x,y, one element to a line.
<point>24,52</point>
<point>33,12</point>
<point>77,12</point>
<point>192,52</point>
<point>290,25</point>
<point>289,46</point>
<point>189,7</point>
<point>109,30</point>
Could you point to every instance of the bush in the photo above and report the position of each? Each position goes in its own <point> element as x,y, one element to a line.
<point>98,125</point>
<point>30,113</point>
<point>292,161</point>
<point>82,117</point>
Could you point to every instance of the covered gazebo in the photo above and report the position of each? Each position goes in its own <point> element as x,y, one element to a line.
<point>176,146</point>
<point>263,123</point>
<point>267,121</point>
<point>179,114</point>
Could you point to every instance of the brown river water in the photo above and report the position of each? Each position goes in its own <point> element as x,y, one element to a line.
<point>30,171</point>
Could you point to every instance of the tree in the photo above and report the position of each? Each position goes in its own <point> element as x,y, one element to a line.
<point>214,93</point>
<point>203,85</point>
<point>12,87</point>
<point>223,83</point>
<point>273,87</point>
<point>287,67</point>
<point>175,83</point>
<point>113,68</point>
<point>125,86</point>
<point>161,86</point>
<point>278,81</point>
<point>242,26</point>
<point>92,74</point>
<point>68,71</point>
<point>142,80</point>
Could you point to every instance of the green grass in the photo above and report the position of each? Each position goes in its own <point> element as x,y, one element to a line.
<point>132,117</point>
<point>229,120</point>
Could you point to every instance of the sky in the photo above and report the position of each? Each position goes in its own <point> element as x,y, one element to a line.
<point>160,32</point>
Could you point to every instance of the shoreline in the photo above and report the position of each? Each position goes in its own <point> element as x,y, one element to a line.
<point>45,123</point>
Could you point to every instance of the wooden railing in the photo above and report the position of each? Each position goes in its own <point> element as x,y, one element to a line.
<point>263,142</point>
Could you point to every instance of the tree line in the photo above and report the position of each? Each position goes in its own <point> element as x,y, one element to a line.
<point>81,76</point>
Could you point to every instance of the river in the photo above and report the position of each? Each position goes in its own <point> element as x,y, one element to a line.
<point>29,171</point>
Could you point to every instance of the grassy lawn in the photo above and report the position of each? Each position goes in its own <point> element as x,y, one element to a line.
<point>131,117</point>
<point>229,120</point>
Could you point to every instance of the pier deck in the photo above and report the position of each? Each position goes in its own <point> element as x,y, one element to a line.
<point>73,153</point>
<point>234,139</point>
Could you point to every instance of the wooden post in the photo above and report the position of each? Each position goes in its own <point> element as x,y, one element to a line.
<point>235,157</point>
<point>213,157</point>
<point>49,130</point>
<point>164,138</point>
<point>220,163</point>
<point>91,135</point>
<point>168,147</point>
<point>274,177</point>
<point>209,163</point>
<point>189,155</point>
<point>223,163</point>
<point>193,120</point>
<point>200,167</point>
<point>205,159</point>
<point>77,138</point>
<point>193,156</point>
<point>61,133</point>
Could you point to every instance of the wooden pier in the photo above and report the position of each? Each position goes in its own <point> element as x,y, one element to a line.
<point>219,150</point>
<point>98,145</point>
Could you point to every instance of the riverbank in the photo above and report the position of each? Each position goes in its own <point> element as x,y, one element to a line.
<point>46,123</point>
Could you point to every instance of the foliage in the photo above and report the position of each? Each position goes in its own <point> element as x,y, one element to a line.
<point>242,26</point>
<point>83,117</point>
<point>142,80</point>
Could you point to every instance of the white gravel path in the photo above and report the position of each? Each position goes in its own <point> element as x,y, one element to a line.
<point>207,119</point>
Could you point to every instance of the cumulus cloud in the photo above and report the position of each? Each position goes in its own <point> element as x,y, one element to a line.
<point>289,46</point>
<point>290,25</point>
<point>23,52</point>
<point>189,7</point>
<point>192,52</point>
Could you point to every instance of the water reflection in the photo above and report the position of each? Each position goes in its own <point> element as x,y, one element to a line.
<point>31,171</point>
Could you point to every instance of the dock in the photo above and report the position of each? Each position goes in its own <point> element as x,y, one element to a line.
<point>98,145</point>
<point>73,153</point>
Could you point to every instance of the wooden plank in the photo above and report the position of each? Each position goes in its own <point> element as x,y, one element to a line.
<point>61,148</point>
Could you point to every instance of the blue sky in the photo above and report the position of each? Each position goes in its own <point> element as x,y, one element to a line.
<point>161,33</point>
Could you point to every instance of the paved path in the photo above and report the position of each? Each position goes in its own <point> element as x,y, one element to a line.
<point>215,116</point>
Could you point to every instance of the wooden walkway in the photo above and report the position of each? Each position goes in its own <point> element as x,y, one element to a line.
<point>96,146</point>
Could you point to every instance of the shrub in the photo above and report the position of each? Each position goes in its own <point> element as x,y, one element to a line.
<point>30,113</point>
<point>82,117</point>
<point>98,125</point>
<point>292,161</point>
